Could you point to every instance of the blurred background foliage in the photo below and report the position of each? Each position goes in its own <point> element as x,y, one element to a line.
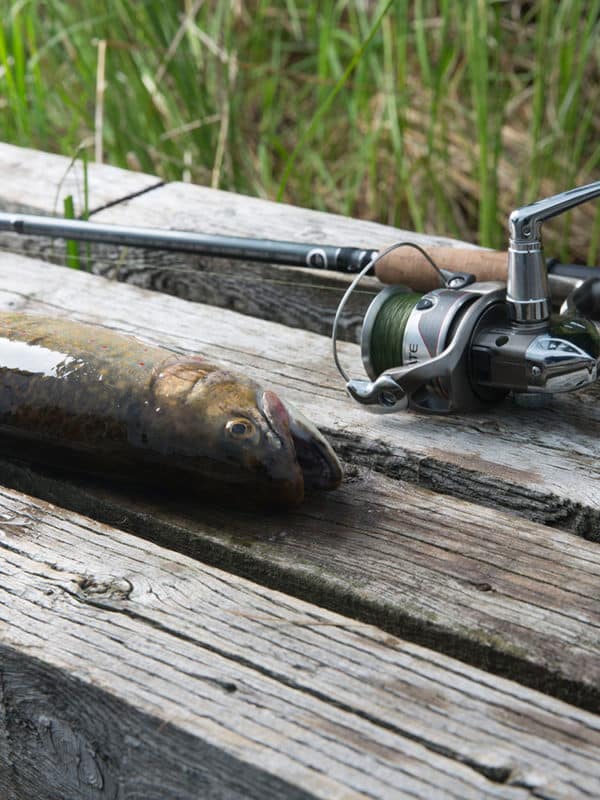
<point>454,114</point>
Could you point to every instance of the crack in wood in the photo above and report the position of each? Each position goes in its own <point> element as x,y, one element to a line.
<point>125,198</point>
<point>468,484</point>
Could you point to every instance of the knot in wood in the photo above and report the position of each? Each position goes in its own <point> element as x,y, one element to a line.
<point>104,587</point>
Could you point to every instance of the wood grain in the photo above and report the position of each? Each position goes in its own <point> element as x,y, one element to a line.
<point>516,599</point>
<point>127,671</point>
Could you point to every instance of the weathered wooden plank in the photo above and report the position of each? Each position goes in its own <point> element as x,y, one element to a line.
<point>298,297</point>
<point>37,183</point>
<point>517,599</point>
<point>129,671</point>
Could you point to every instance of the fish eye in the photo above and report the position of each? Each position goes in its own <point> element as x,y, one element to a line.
<point>240,428</point>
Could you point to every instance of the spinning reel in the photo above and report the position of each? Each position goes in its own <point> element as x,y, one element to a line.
<point>467,345</point>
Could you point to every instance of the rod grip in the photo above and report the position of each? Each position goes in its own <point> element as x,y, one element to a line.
<point>406,265</point>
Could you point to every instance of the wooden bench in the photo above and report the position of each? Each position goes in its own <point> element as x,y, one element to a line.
<point>431,629</point>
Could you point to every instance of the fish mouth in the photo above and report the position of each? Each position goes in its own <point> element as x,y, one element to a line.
<point>321,468</point>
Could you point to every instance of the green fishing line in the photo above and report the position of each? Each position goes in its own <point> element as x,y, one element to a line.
<point>387,335</point>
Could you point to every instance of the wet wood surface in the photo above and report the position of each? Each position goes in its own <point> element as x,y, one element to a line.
<point>431,629</point>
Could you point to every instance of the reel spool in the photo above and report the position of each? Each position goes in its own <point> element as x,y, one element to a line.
<point>402,329</point>
<point>382,342</point>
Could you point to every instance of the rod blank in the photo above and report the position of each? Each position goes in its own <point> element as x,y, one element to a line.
<point>316,256</point>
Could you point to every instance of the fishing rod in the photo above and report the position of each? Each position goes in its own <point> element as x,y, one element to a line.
<point>405,268</point>
<point>486,333</point>
<point>316,256</point>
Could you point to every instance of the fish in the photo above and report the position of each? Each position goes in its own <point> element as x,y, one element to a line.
<point>96,401</point>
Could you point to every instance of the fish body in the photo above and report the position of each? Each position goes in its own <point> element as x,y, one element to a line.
<point>98,401</point>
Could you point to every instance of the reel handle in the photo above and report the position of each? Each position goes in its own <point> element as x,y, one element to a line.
<point>408,266</point>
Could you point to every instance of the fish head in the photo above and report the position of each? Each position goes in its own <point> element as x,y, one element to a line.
<point>261,442</point>
<point>282,451</point>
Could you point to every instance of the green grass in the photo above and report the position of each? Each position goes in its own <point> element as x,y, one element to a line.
<point>434,116</point>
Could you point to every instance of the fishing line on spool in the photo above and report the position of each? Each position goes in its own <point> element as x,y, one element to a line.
<point>393,321</point>
<point>383,346</point>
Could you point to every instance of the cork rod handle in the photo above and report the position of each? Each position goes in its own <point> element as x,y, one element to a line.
<point>409,267</point>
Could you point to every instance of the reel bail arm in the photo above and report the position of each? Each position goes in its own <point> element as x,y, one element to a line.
<point>527,291</point>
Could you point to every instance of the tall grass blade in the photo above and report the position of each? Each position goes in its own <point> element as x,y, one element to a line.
<point>72,247</point>
<point>324,106</point>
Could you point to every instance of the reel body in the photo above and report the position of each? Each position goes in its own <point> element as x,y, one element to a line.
<point>467,345</point>
<point>459,351</point>
<point>437,326</point>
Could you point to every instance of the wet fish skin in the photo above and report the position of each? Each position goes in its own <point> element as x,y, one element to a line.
<point>112,403</point>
